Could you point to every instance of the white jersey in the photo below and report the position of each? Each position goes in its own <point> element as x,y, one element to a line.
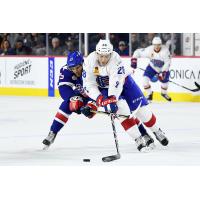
<point>158,61</point>
<point>111,76</point>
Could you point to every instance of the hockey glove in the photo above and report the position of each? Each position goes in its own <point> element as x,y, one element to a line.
<point>113,108</point>
<point>162,75</point>
<point>105,101</point>
<point>87,110</point>
<point>75,104</point>
<point>134,63</point>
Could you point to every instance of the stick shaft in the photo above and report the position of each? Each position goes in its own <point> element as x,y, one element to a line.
<point>114,132</point>
<point>107,113</point>
<point>192,90</point>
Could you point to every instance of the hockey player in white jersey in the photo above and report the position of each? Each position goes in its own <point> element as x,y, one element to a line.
<point>158,67</point>
<point>109,83</point>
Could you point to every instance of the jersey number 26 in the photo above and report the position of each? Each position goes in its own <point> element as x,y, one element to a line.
<point>121,70</point>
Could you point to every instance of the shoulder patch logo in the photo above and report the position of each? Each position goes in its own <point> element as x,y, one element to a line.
<point>96,71</point>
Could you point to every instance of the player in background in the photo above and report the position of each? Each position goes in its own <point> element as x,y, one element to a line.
<point>158,67</point>
<point>75,99</point>
<point>72,93</point>
<point>110,84</point>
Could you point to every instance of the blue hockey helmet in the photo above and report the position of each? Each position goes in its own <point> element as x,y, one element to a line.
<point>74,58</point>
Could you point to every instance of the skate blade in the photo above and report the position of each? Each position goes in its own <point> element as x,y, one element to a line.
<point>45,147</point>
<point>152,146</point>
<point>144,150</point>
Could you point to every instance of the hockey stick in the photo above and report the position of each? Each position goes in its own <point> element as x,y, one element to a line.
<point>117,156</point>
<point>113,116</point>
<point>197,84</point>
<point>119,115</point>
<point>108,113</point>
<point>192,90</point>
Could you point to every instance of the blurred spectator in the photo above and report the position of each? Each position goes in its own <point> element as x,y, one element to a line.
<point>56,48</point>
<point>135,42</point>
<point>40,51</point>
<point>61,36</point>
<point>114,39</point>
<point>123,37</point>
<point>4,36</point>
<point>25,38</point>
<point>1,38</point>
<point>165,37</point>
<point>143,43</point>
<point>149,38</point>
<point>21,49</point>
<point>35,43</point>
<point>37,38</point>
<point>73,36</point>
<point>70,46</point>
<point>167,40</point>
<point>94,39</point>
<point>6,48</point>
<point>122,50</point>
<point>38,44</point>
<point>145,39</point>
<point>177,43</point>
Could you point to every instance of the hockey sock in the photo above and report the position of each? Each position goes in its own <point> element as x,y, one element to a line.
<point>147,85</point>
<point>141,128</point>
<point>59,121</point>
<point>152,124</point>
<point>130,127</point>
<point>164,87</point>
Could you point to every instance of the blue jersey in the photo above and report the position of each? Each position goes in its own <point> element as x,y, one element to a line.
<point>69,85</point>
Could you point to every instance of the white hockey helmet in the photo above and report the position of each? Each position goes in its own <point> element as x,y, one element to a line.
<point>104,47</point>
<point>156,40</point>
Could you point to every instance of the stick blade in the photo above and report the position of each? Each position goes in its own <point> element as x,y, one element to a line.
<point>111,158</point>
<point>197,84</point>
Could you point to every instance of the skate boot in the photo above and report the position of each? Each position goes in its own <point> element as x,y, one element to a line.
<point>160,136</point>
<point>140,144</point>
<point>49,140</point>
<point>150,97</point>
<point>149,141</point>
<point>166,96</point>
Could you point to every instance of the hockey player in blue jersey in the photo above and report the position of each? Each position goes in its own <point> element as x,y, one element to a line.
<point>76,100</point>
<point>110,84</point>
<point>72,93</point>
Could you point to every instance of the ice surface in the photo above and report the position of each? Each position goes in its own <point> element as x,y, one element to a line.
<point>25,122</point>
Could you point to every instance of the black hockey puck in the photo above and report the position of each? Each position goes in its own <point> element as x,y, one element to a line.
<point>86,160</point>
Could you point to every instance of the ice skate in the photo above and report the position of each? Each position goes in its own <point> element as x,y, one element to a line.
<point>140,144</point>
<point>150,97</point>
<point>160,136</point>
<point>49,140</point>
<point>149,141</point>
<point>166,96</point>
